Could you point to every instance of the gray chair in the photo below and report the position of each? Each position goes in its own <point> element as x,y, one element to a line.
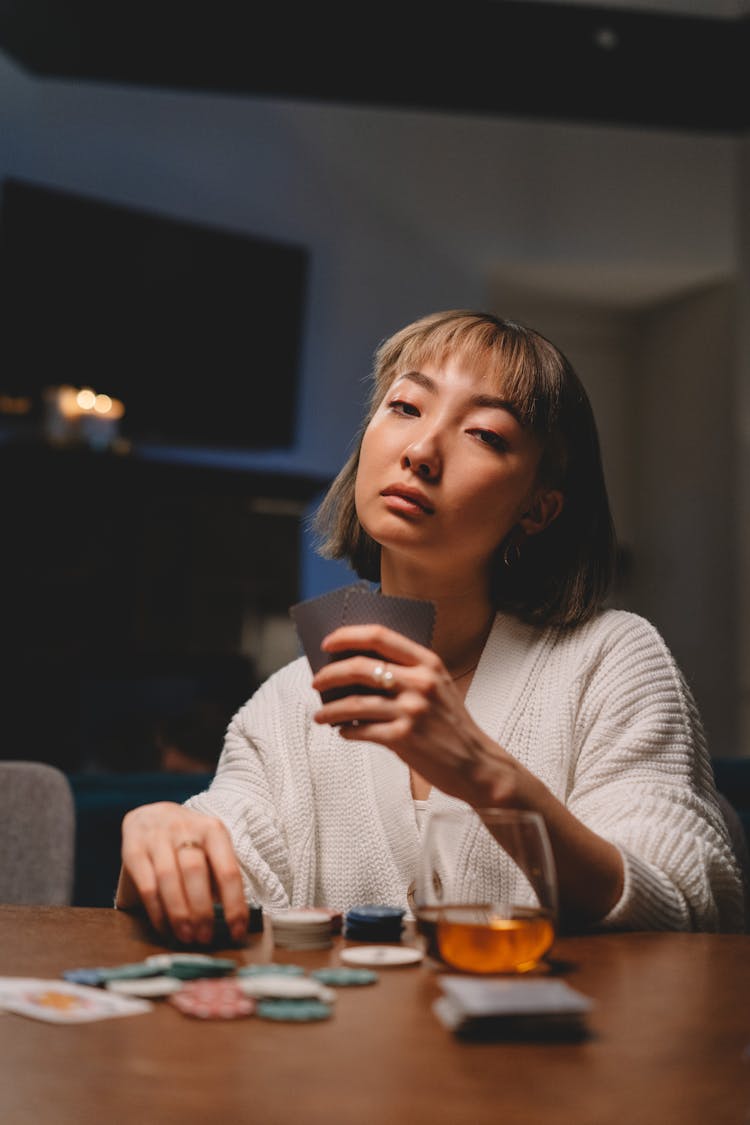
<point>37,835</point>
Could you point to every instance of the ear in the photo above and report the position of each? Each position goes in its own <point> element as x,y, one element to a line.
<point>546,507</point>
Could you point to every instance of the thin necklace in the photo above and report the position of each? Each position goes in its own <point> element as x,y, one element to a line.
<point>461,675</point>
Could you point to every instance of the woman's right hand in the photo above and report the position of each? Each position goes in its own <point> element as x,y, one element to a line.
<point>177,863</point>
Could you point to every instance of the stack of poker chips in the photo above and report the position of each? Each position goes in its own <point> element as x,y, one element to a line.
<point>374,923</point>
<point>302,929</point>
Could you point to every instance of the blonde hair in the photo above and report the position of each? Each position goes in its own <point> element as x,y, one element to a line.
<point>564,572</point>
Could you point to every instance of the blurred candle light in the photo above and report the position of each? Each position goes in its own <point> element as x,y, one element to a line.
<point>85,399</point>
<point>76,415</point>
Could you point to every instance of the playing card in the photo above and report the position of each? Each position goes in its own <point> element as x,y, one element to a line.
<point>478,997</point>
<point>358,605</point>
<point>511,1008</point>
<point>317,617</point>
<point>414,617</point>
<point>58,1001</point>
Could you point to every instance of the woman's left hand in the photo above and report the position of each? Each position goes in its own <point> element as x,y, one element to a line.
<point>421,716</point>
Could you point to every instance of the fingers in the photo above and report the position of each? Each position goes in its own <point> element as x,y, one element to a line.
<point>184,888</point>
<point>392,646</point>
<point>364,675</point>
<point>404,709</point>
<point>226,877</point>
<point>180,862</point>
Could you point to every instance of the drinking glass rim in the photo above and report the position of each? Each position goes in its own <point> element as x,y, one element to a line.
<point>491,812</point>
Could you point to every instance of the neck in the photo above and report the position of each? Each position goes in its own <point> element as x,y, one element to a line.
<point>462,621</point>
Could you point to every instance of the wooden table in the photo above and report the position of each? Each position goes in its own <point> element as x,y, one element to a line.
<point>669,1043</point>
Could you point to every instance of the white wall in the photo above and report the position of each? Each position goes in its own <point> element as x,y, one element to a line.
<point>684,473</point>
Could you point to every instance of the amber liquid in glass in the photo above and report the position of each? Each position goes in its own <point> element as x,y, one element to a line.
<point>475,939</point>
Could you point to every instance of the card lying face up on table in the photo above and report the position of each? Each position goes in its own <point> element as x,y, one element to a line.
<point>358,605</point>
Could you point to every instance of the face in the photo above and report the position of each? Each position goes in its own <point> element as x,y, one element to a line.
<point>446,471</point>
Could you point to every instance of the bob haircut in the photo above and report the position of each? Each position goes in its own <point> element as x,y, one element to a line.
<point>560,576</point>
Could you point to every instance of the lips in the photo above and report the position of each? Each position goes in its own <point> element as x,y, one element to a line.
<point>412,497</point>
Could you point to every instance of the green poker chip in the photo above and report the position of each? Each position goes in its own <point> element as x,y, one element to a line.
<point>345,977</point>
<point>300,1011</point>
<point>194,970</point>
<point>136,970</point>
<point>270,970</point>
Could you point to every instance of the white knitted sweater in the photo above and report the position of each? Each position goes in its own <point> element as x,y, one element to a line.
<point>600,713</point>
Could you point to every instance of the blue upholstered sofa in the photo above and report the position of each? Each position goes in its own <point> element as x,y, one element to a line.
<point>101,801</point>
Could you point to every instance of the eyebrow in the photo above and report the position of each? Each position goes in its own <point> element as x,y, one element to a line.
<point>494,402</point>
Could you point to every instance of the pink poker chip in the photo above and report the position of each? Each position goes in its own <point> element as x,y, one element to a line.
<point>214,998</point>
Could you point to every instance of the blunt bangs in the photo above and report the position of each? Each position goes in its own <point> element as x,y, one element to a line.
<point>519,364</point>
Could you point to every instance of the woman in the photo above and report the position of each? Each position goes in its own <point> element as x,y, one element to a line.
<point>477,483</point>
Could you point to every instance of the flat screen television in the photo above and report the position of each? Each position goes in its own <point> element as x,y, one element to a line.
<point>196,329</point>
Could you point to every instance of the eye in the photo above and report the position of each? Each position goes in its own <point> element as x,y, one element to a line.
<point>490,438</point>
<point>398,406</point>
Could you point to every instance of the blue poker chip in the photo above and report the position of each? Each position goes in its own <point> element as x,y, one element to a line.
<point>371,936</point>
<point>92,977</point>
<point>374,922</point>
<point>99,975</point>
<point>388,927</point>
<point>299,1011</point>
<point>375,913</point>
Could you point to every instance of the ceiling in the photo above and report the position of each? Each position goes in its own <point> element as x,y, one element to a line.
<point>710,9</point>
<point>661,63</point>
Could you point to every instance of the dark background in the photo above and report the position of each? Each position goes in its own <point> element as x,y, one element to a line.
<point>557,61</point>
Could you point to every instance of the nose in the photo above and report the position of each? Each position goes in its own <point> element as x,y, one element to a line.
<point>423,458</point>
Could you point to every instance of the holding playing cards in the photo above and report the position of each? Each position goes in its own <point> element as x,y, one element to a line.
<point>474,666</point>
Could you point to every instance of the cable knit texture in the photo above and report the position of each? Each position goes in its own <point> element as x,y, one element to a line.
<point>600,713</point>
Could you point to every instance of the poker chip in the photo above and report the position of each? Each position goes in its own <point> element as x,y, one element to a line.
<point>281,987</point>
<point>375,913</point>
<point>374,922</point>
<point>101,974</point>
<point>344,976</point>
<point>335,916</point>
<point>271,968</point>
<point>302,929</point>
<point>92,977</point>
<point>149,987</point>
<point>195,970</point>
<point>382,956</point>
<point>300,1011</point>
<point>213,999</point>
<point>164,960</point>
<point>134,971</point>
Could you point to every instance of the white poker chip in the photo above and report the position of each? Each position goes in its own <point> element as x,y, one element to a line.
<point>277,987</point>
<point>382,956</point>
<point>301,919</point>
<point>166,960</point>
<point>302,929</point>
<point>145,986</point>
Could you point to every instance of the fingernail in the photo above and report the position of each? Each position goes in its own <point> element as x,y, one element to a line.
<point>185,933</point>
<point>238,931</point>
<point>204,933</point>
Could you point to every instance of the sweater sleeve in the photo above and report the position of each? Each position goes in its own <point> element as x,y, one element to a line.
<point>643,780</point>
<point>253,790</point>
